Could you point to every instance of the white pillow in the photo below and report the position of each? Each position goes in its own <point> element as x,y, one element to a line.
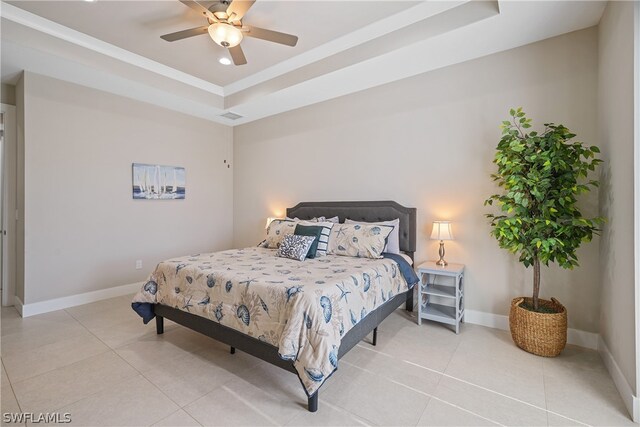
<point>359,240</point>
<point>393,241</point>
<point>276,231</point>
<point>333,219</point>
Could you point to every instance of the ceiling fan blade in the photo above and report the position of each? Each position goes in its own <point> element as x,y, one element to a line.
<point>237,55</point>
<point>199,8</point>
<point>179,35</point>
<point>269,35</point>
<point>238,8</point>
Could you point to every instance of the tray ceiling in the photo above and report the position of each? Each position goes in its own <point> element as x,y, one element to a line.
<point>137,26</point>
<point>344,47</point>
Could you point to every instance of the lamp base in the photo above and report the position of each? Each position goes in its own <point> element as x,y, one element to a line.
<point>441,262</point>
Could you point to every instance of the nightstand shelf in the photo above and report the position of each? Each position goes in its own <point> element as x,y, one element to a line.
<point>439,290</point>
<point>440,313</point>
<point>441,295</point>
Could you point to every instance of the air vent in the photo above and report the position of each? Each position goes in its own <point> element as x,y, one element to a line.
<point>231,116</point>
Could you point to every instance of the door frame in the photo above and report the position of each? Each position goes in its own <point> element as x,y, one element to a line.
<point>9,227</point>
<point>636,148</point>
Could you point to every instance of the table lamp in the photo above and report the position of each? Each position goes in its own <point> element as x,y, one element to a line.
<point>441,231</point>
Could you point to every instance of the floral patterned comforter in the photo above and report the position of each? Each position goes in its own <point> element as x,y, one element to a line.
<point>302,308</point>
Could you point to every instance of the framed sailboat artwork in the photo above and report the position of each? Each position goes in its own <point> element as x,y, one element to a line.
<point>158,182</point>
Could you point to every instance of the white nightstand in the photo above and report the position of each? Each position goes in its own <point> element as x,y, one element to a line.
<point>441,293</point>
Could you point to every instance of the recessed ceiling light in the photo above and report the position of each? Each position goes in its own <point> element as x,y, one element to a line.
<point>224,61</point>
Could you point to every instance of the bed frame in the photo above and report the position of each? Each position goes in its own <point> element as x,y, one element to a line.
<point>360,211</point>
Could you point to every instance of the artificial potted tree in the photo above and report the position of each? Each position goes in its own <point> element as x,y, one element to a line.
<point>541,176</point>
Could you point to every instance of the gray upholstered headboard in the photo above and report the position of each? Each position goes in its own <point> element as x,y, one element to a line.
<point>367,212</point>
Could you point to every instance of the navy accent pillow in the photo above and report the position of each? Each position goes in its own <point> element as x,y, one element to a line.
<point>310,230</point>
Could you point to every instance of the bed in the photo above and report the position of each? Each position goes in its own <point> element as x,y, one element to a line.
<point>300,316</point>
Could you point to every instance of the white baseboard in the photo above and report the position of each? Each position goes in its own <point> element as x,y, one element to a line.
<point>631,402</point>
<point>490,320</point>
<point>498,321</point>
<point>32,309</point>
<point>17,303</point>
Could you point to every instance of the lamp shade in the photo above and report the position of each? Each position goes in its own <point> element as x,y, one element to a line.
<point>225,35</point>
<point>441,230</point>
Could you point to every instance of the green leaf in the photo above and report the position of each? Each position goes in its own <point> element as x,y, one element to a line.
<point>541,177</point>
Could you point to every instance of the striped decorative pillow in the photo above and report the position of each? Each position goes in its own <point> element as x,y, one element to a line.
<point>323,243</point>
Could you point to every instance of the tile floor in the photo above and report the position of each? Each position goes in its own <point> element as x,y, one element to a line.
<point>99,363</point>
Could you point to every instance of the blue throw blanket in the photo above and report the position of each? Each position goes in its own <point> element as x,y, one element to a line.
<point>405,269</point>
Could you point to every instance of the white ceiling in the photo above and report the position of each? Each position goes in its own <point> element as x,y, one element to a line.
<point>137,26</point>
<point>344,47</point>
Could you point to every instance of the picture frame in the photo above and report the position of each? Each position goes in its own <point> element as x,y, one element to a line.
<point>158,182</point>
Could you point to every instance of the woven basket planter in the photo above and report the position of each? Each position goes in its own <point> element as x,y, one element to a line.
<point>543,334</point>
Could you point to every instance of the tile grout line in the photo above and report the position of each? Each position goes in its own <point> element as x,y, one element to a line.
<point>440,379</point>
<point>247,403</point>
<point>188,414</point>
<point>219,386</point>
<point>180,407</point>
<point>451,404</point>
<point>426,394</point>
<point>346,410</point>
<point>339,408</point>
<point>500,394</point>
<point>109,349</point>
<point>66,366</point>
<point>480,387</point>
<point>159,389</point>
<point>44,345</point>
<point>544,387</point>
<point>11,385</point>
<point>125,361</point>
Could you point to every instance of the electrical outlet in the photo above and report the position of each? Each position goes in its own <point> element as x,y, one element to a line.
<point>139,264</point>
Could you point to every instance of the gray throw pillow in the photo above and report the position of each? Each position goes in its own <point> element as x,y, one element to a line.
<point>294,246</point>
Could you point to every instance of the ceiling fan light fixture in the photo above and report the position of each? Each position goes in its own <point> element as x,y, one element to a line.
<point>225,35</point>
<point>220,15</point>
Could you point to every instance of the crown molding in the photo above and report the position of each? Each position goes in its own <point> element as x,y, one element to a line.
<point>54,29</point>
<point>365,34</point>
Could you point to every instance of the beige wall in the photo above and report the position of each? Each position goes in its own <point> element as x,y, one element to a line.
<point>7,94</point>
<point>428,142</point>
<point>84,231</point>
<point>615,119</point>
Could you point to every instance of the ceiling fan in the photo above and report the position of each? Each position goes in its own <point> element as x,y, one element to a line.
<point>225,27</point>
